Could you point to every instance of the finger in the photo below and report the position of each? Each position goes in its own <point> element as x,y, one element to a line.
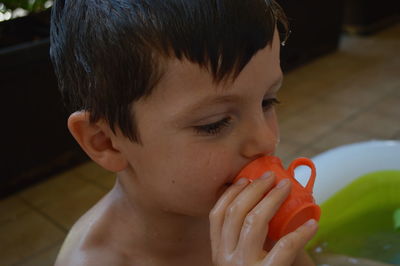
<point>240,207</point>
<point>217,213</point>
<point>255,227</point>
<point>287,248</point>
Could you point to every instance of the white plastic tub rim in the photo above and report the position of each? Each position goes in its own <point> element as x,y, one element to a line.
<point>339,166</point>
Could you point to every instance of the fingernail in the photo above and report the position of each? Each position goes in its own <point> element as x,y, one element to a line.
<point>266,175</point>
<point>310,223</point>
<point>282,183</point>
<point>242,181</point>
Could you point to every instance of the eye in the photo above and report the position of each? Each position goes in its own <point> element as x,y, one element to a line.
<point>213,128</point>
<point>268,103</point>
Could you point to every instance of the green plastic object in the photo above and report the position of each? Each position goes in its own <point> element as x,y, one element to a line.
<point>396,218</point>
<point>358,220</point>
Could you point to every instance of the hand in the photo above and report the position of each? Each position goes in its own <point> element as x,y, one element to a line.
<point>239,225</point>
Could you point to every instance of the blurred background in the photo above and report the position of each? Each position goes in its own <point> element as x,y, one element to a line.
<point>342,85</point>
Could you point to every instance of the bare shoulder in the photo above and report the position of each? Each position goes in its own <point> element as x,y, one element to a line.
<point>94,257</point>
<point>86,242</point>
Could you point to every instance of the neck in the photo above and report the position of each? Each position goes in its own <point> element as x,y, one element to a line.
<point>160,233</point>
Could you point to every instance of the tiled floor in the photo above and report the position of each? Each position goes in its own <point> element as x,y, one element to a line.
<point>349,96</point>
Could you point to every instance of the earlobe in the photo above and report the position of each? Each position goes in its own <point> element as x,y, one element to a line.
<point>96,142</point>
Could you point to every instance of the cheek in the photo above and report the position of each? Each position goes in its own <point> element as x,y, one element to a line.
<point>272,121</point>
<point>209,168</point>
<point>185,177</point>
<point>203,175</point>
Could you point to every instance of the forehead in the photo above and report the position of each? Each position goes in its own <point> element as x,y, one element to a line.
<point>185,83</point>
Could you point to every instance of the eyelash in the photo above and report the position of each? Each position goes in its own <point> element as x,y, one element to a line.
<point>216,127</point>
<point>213,128</point>
<point>268,103</point>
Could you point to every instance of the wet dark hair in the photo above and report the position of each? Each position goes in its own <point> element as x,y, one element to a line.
<point>108,54</point>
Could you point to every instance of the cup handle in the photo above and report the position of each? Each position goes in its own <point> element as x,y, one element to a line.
<point>307,162</point>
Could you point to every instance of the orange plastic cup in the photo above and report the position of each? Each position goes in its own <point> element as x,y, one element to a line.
<point>299,206</point>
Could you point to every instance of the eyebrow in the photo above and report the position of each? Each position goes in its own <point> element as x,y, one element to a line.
<point>276,84</point>
<point>208,101</point>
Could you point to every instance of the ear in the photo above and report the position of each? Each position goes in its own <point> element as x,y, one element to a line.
<point>96,140</point>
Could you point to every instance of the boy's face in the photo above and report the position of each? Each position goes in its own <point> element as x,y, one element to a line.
<point>197,136</point>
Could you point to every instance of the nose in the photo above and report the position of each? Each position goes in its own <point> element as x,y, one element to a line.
<point>260,138</point>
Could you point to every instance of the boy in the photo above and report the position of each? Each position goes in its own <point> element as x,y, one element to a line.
<point>175,97</point>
